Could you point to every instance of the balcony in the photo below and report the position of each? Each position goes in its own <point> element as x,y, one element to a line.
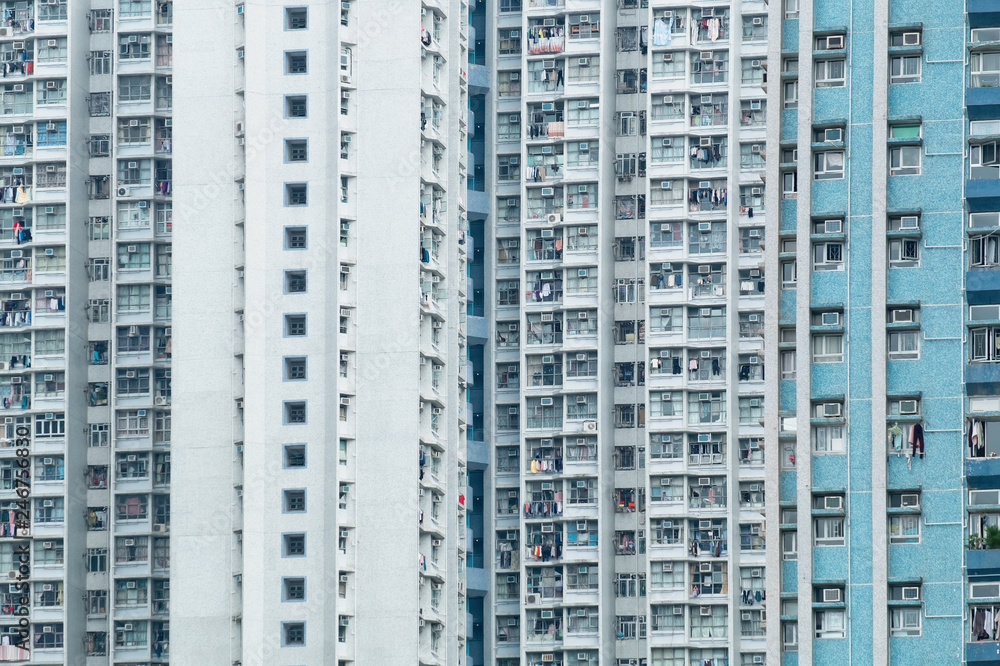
<point>985,652</point>
<point>983,13</point>
<point>983,102</point>
<point>983,378</point>
<point>983,194</point>
<point>479,79</point>
<point>983,287</point>
<point>983,473</point>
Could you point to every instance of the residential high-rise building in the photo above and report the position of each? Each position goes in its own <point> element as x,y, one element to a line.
<point>627,297</point>
<point>85,337</point>
<point>325,344</point>
<point>864,486</point>
<point>509,295</point>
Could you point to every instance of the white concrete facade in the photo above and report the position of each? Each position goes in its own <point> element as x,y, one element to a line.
<point>324,423</point>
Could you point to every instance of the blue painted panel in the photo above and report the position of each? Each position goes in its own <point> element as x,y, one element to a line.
<point>983,287</point>
<point>983,472</point>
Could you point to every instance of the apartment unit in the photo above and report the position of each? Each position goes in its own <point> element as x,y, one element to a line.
<point>627,299</point>
<point>85,268</point>
<point>865,346</point>
<point>326,485</point>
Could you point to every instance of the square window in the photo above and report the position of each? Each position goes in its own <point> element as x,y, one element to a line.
<point>294,545</point>
<point>295,455</point>
<point>296,62</point>
<point>296,150</point>
<point>295,325</point>
<point>295,282</point>
<point>296,106</point>
<point>295,238</point>
<point>293,634</point>
<point>904,161</point>
<point>295,501</point>
<point>293,589</point>
<point>296,194</point>
<point>904,69</point>
<point>295,368</point>
<point>296,18</point>
<point>295,412</point>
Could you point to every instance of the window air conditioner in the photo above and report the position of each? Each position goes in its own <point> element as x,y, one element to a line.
<point>909,222</point>
<point>755,105</point>
<point>830,319</point>
<point>911,39</point>
<point>907,406</point>
<point>835,42</point>
<point>833,502</point>
<point>831,595</point>
<point>904,316</point>
<point>911,593</point>
<point>835,134</point>
<point>831,410</point>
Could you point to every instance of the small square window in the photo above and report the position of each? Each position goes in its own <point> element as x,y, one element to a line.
<point>294,545</point>
<point>296,150</point>
<point>295,455</point>
<point>295,501</point>
<point>295,412</point>
<point>295,368</point>
<point>296,62</point>
<point>295,238</point>
<point>296,194</point>
<point>296,18</point>
<point>295,325</point>
<point>295,282</point>
<point>293,589</point>
<point>296,106</point>
<point>293,634</point>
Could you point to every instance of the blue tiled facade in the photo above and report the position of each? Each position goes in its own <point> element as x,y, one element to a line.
<point>878,251</point>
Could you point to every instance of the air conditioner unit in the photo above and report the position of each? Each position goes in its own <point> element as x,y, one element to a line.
<point>907,406</point>
<point>18,87</point>
<point>745,616</point>
<point>835,134</point>
<point>833,502</point>
<point>666,185</point>
<point>830,319</point>
<point>123,191</point>
<point>911,39</point>
<point>548,658</point>
<point>909,222</point>
<point>755,105</point>
<point>548,192</point>
<point>531,599</point>
<point>15,380</point>
<point>911,593</point>
<point>832,595</point>
<point>346,402</point>
<point>704,481</point>
<point>909,500</point>
<point>160,401</point>
<point>706,610</point>
<point>831,409</point>
<point>48,503</point>
<point>903,316</point>
<point>835,42</point>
